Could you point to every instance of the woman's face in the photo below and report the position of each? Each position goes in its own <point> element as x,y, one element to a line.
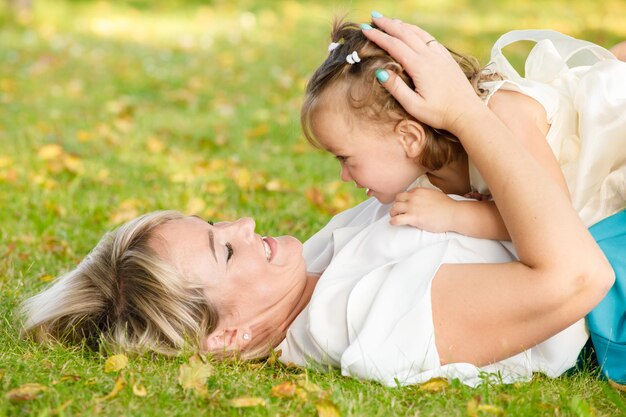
<point>248,277</point>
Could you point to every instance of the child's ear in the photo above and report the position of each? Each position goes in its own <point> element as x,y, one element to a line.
<point>412,137</point>
<point>227,339</point>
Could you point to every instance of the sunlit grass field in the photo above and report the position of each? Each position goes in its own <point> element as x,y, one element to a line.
<point>112,109</point>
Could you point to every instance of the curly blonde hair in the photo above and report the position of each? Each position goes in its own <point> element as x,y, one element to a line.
<point>369,99</point>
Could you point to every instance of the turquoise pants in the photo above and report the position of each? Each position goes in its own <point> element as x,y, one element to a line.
<point>607,322</point>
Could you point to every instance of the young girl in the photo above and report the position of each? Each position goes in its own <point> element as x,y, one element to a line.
<point>568,111</point>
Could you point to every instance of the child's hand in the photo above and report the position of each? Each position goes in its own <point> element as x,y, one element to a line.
<point>424,208</point>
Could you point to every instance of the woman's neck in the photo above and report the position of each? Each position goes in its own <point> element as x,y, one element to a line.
<point>452,178</point>
<point>272,332</point>
<point>303,300</point>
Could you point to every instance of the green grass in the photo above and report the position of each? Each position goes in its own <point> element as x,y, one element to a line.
<point>111,109</point>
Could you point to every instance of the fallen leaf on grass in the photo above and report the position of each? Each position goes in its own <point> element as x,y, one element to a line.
<point>115,363</point>
<point>139,390</point>
<point>154,145</point>
<point>50,151</point>
<point>193,375</point>
<point>474,408</point>
<point>46,278</point>
<point>25,392</point>
<point>326,408</point>
<point>434,385</point>
<point>244,402</point>
<point>309,386</point>
<point>284,390</point>
<point>120,383</point>
<point>64,378</point>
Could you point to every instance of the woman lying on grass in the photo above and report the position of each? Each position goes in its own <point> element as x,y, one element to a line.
<point>394,304</point>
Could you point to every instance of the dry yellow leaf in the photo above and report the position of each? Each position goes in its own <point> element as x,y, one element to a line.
<point>490,409</point>
<point>115,363</point>
<point>73,164</point>
<point>5,161</point>
<point>326,408</point>
<point>127,210</point>
<point>120,383</point>
<point>139,390</point>
<point>434,385</point>
<point>284,390</point>
<point>83,136</point>
<point>46,278</point>
<point>154,145</point>
<point>25,392</point>
<point>309,386</point>
<point>50,151</point>
<point>193,375</point>
<point>243,402</point>
<point>215,188</point>
<point>472,407</point>
<point>301,394</point>
<point>242,177</point>
<point>64,378</point>
<point>258,131</point>
<point>315,196</point>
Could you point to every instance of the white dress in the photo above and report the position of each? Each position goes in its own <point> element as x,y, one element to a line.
<point>371,315</point>
<point>582,87</point>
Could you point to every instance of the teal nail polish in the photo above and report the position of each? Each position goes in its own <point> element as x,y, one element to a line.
<point>365,26</point>
<point>376,14</point>
<point>382,75</point>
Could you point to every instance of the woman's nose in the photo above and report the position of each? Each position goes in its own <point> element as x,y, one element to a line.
<point>245,226</point>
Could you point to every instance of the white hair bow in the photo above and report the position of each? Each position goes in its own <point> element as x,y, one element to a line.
<point>353,58</point>
<point>332,46</point>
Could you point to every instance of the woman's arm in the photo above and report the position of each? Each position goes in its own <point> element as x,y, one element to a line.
<point>484,313</point>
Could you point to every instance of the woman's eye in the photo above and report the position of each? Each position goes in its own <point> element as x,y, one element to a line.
<point>229,247</point>
<point>341,159</point>
<point>210,222</point>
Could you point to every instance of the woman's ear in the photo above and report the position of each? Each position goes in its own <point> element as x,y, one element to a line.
<point>231,339</point>
<point>412,137</point>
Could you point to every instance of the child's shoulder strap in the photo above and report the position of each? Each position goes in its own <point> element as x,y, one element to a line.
<point>560,49</point>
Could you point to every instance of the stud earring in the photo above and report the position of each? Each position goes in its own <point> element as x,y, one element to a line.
<point>245,336</point>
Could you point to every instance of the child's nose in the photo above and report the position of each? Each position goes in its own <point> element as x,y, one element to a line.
<point>345,174</point>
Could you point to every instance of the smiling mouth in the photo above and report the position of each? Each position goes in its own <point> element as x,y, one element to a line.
<point>268,248</point>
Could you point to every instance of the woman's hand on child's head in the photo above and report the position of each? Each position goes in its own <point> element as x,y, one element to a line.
<point>424,208</point>
<point>442,93</point>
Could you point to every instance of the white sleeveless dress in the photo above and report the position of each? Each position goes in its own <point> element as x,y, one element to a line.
<point>371,314</point>
<point>582,87</point>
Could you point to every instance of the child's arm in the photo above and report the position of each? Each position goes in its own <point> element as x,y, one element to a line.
<point>434,211</point>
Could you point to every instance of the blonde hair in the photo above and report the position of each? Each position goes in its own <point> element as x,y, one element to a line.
<point>366,96</point>
<point>124,296</point>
